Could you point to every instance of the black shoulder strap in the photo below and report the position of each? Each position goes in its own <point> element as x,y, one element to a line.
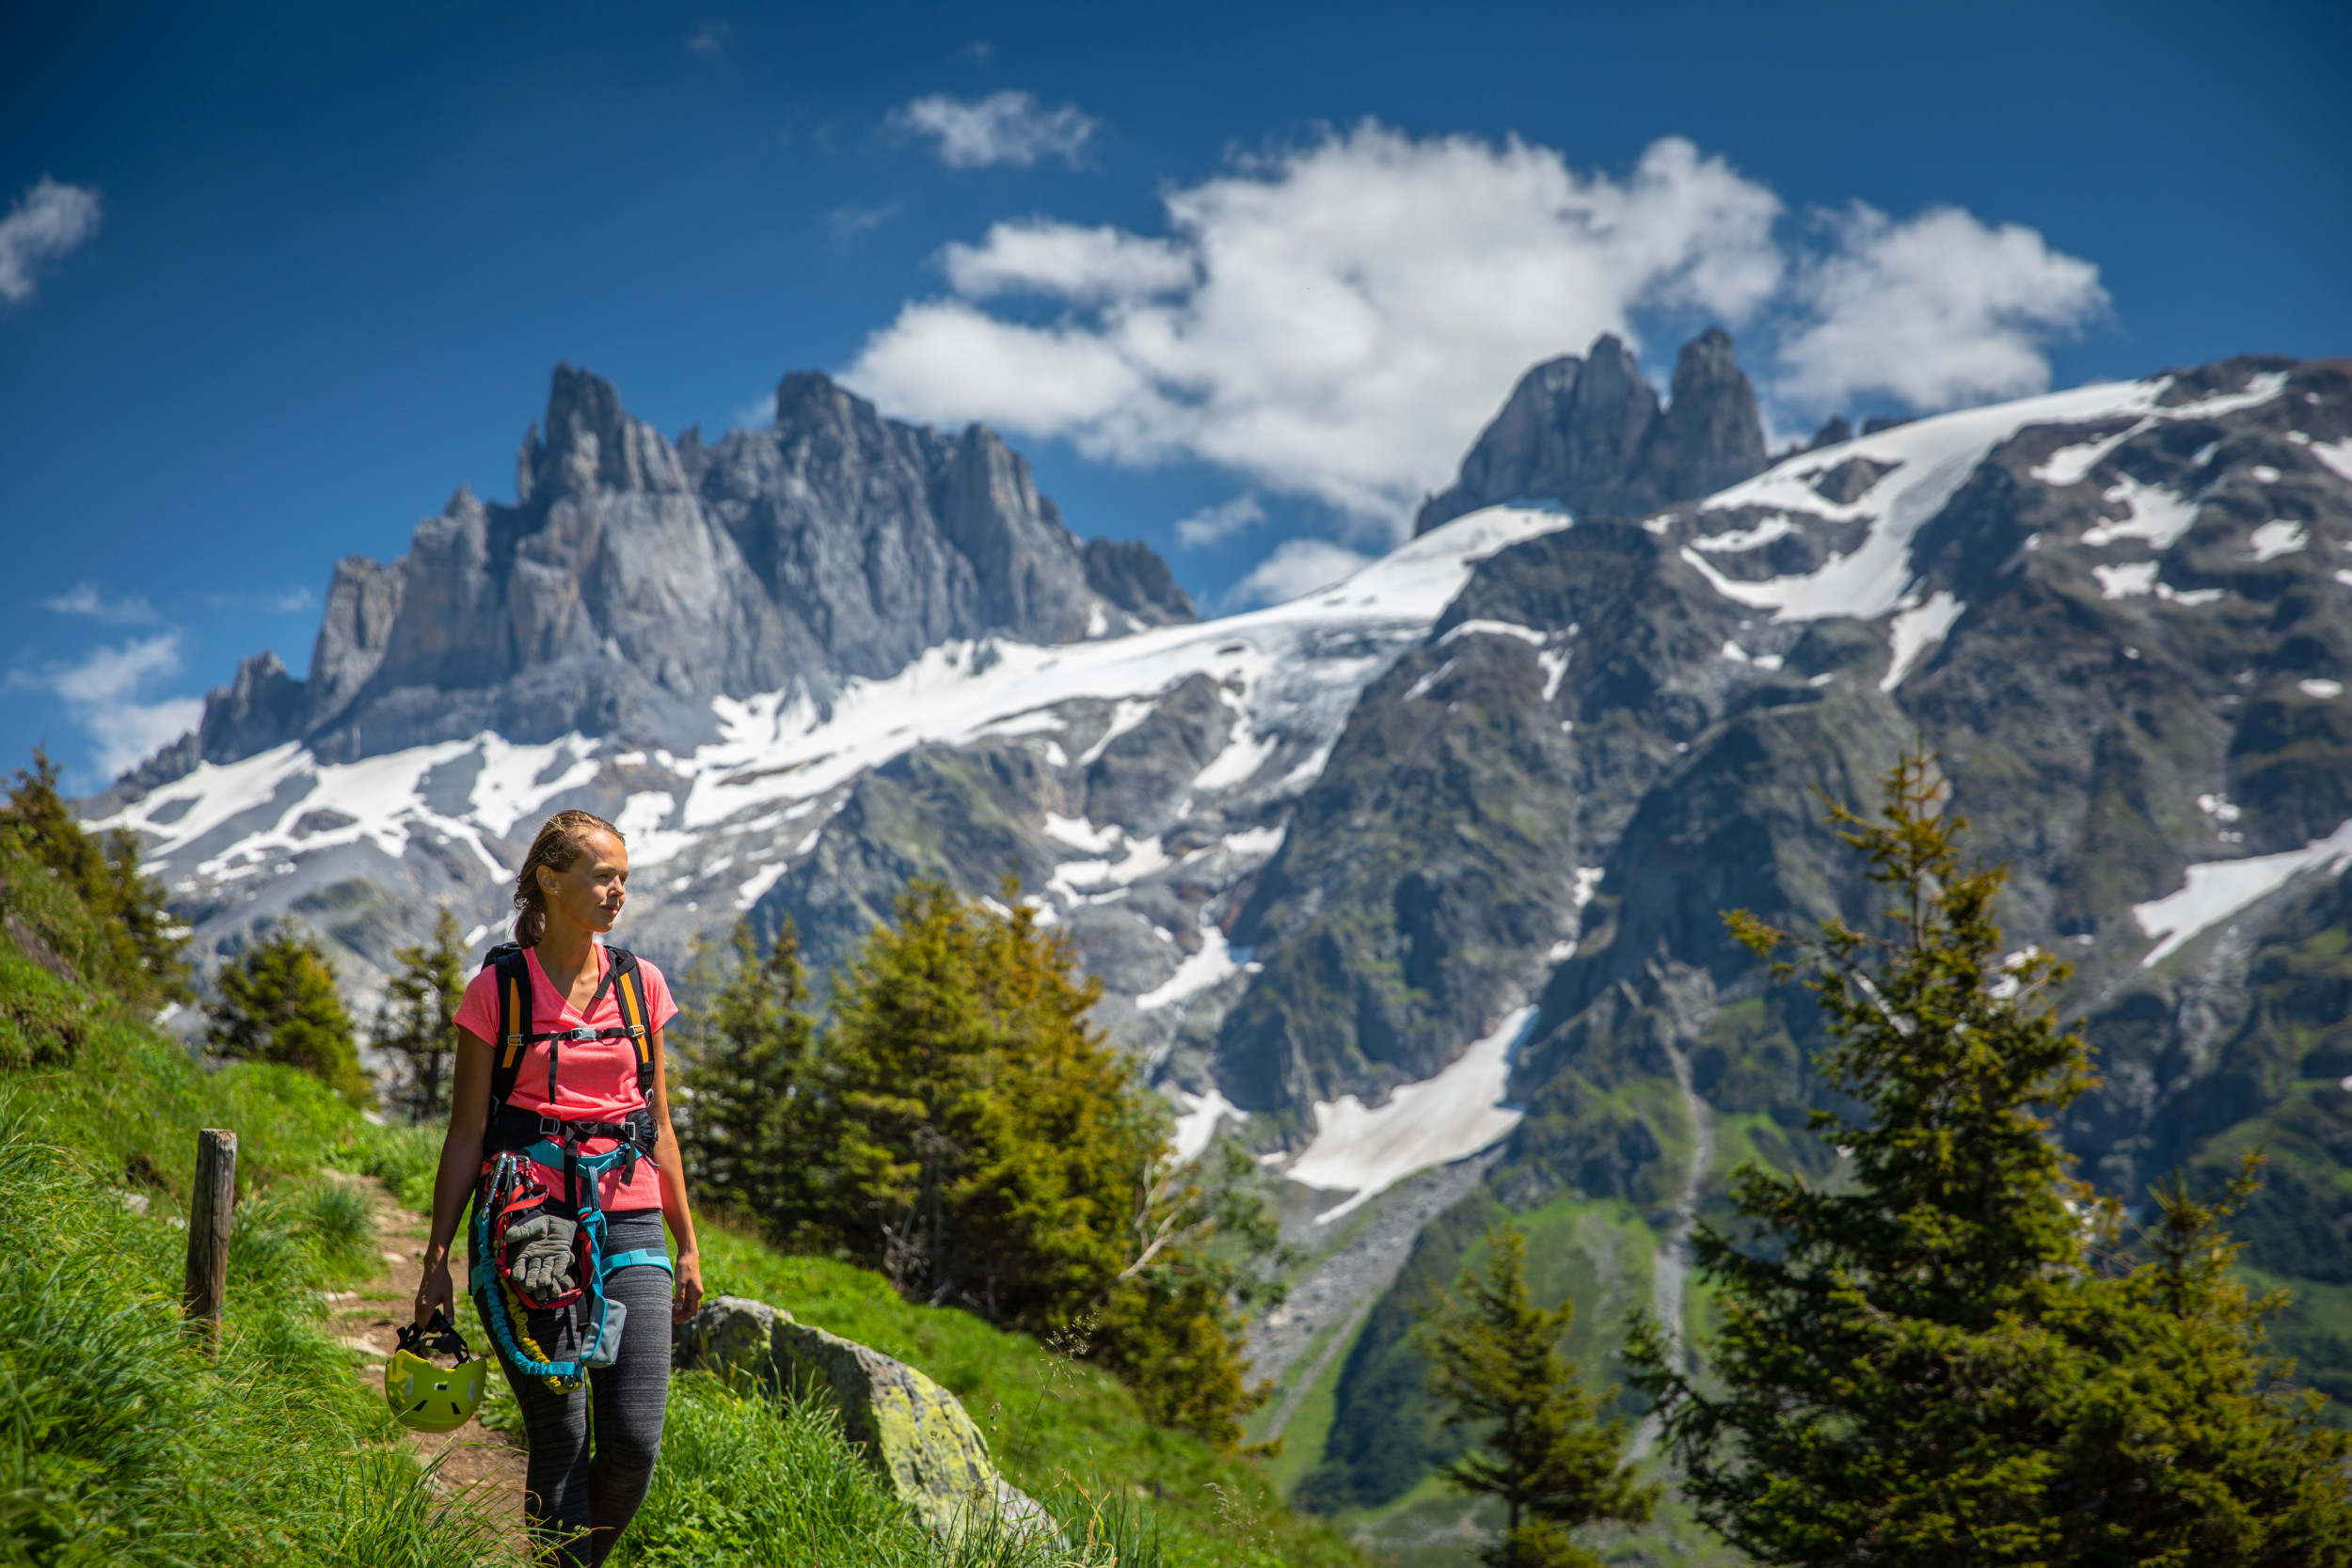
<point>506,1051</point>
<point>629,985</point>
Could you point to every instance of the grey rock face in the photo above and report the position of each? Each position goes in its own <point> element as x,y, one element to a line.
<point>1132,576</point>
<point>631,582</point>
<point>2141,668</point>
<point>1589,435</point>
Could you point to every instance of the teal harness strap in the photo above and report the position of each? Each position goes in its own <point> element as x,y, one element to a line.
<point>654,1256</point>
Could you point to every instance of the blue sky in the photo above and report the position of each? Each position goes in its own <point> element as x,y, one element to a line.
<point>274,280</point>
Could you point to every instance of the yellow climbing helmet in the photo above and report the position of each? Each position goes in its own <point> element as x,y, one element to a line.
<point>423,1397</point>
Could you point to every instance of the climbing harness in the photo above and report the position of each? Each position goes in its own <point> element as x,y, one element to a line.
<point>517,1139</point>
<point>423,1397</point>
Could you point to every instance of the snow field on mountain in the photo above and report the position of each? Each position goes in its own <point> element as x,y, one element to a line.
<point>2214,891</point>
<point>1922,466</point>
<point>782,745</point>
<point>1364,1150</point>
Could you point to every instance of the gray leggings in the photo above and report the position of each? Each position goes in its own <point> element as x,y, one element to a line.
<point>573,1486</point>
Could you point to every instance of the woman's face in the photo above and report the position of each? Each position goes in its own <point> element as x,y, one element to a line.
<point>590,895</point>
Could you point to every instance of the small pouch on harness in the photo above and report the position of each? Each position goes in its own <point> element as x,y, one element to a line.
<point>605,1347</point>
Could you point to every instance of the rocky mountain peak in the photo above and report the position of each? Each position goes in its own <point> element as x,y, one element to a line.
<point>591,444</point>
<point>631,582</point>
<point>1712,433</point>
<point>1588,434</point>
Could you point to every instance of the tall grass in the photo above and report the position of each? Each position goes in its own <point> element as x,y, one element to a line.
<point>122,1442</point>
<point>746,1478</point>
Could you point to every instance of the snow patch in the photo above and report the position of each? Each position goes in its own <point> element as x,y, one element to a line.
<point>2157,515</point>
<point>1738,655</point>
<point>513,780</point>
<point>1914,631</point>
<point>1144,856</point>
<point>1493,629</point>
<point>1244,754</point>
<point>1199,1120</point>
<point>641,823</point>
<point>2276,539</point>
<point>1079,833</point>
<point>1556,666</point>
<point>2126,582</point>
<point>2071,465</point>
<point>1255,841</point>
<point>1421,687</point>
<point>1210,966</point>
<point>1778,526</point>
<point>1365,1151</point>
<point>2337,455</point>
<point>2216,890</point>
<point>1124,716</point>
<point>756,888</point>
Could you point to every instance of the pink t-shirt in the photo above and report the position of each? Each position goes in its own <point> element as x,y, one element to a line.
<point>595,1080</point>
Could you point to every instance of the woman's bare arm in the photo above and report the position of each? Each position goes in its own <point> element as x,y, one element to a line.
<point>460,1167</point>
<point>687,1264</point>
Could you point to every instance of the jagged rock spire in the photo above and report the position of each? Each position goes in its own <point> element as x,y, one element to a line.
<point>1588,434</point>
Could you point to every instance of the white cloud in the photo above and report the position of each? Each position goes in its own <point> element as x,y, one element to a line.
<point>1339,320</point>
<point>1941,311</point>
<point>102,694</point>
<point>1002,128</point>
<point>1297,568</point>
<point>1211,524</point>
<point>85,599</point>
<point>49,221</point>
<point>1336,321</point>
<point>1085,265</point>
<point>709,39</point>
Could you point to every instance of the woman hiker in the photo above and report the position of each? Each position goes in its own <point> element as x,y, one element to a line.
<point>560,1134</point>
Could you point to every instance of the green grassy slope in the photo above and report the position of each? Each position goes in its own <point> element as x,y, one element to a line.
<point>1063,1431</point>
<point>119,1443</point>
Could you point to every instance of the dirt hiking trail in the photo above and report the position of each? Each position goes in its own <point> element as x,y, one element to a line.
<point>473,1458</point>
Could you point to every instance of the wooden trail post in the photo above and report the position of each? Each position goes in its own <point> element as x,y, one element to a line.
<point>212,1210</point>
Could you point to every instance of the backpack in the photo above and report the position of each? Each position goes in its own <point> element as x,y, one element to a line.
<point>516,1037</point>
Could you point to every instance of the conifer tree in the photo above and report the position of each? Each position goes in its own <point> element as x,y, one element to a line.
<point>1495,1366</point>
<point>975,1138</point>
<point>278,1003</point>
<point>417,1021</point>
<point>146,948</point>
<point>748,1137</point>
<point>1951,1359</point>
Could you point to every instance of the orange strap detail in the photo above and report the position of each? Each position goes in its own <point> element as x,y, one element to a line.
<point>633,1015</point>
<point>514,1011</point>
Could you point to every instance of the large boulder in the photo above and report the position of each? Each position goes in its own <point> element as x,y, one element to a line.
<point>913,1432</point>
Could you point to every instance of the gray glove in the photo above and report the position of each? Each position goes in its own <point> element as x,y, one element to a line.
<point>543,1256</point>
